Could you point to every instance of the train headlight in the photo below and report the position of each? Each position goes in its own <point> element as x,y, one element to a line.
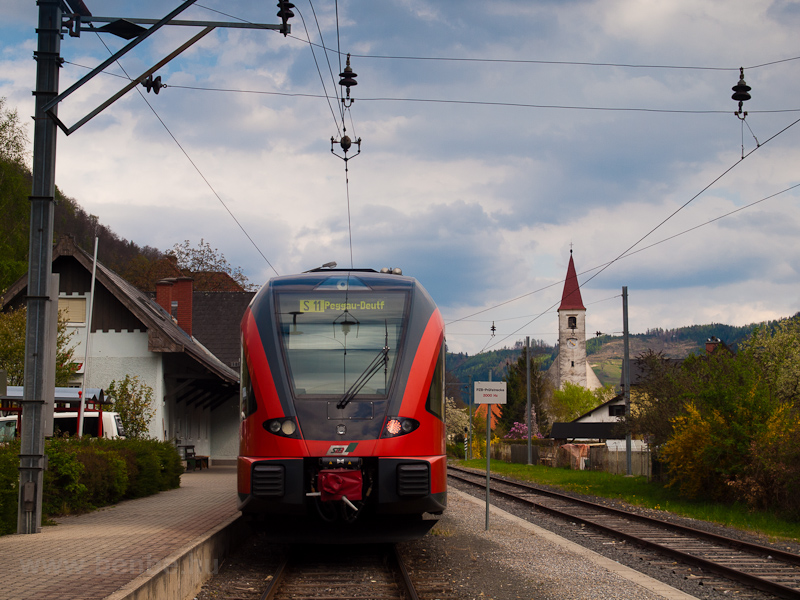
<point>284,427</point>
<point>397,426</point>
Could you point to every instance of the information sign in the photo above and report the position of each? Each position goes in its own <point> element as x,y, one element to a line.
<point>490,392</point>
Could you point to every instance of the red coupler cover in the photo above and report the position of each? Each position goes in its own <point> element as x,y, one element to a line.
<point>335,483</point>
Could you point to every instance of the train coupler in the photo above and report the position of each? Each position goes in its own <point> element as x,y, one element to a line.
<point>340,484</point>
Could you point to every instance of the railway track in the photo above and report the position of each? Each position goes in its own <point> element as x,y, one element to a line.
<point>764,568</point>
<point>337,573</point>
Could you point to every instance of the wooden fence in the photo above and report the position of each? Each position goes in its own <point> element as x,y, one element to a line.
<point>598,458</point>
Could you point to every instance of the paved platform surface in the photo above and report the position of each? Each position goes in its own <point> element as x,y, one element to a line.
<point>91,556</point>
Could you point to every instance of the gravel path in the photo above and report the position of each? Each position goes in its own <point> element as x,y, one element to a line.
<point>515,559</point>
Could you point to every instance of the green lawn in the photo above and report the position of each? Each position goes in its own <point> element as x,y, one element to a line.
<point>608,371</point>
<point>639,491</point>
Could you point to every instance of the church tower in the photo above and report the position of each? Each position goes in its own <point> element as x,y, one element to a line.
<point>571,364</point>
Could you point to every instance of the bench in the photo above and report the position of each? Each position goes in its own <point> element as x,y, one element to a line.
<point>194,461</point>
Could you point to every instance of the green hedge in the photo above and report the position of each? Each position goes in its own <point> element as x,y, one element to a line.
<point>83,474</point>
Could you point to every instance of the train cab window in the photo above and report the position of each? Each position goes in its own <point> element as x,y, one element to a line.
<point>341,341</point>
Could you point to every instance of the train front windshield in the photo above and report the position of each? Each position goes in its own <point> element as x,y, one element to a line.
<point>341,343</point>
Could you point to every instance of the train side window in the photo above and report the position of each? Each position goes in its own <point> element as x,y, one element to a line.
<point>247,399</point>
<point>435,401</point>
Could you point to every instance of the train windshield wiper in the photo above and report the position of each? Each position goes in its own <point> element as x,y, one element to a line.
<point>381,360</point>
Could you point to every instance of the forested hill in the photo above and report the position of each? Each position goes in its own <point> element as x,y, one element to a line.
<point>478,366</point>
<point>140,266</point>
<point>604,353</point>
<point>119,254</point>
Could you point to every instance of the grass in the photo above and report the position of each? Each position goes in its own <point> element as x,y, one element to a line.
<point>646,494</point>
<point>608,371</point>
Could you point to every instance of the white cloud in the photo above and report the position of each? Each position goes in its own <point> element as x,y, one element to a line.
<point>481,202</point>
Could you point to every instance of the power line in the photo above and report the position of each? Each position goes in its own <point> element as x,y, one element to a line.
<point>470,102</point>
<point>569,62</point>
<point>560,62</point>
<point>628,252</point>
<point>490,103</point>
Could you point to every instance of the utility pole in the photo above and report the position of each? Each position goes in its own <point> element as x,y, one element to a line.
<point>528,388</point>
<point>626,375</point>
<point>42,298</point>
<point>40,258</point>
<point>468,456</point>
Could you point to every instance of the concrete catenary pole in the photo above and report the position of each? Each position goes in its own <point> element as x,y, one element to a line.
<point>40,253</point>
<point>626,374</point>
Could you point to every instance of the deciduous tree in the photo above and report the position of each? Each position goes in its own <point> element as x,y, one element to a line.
<point>205,259</point>
<point>517,395</point>
<point>573,400</point>
<point>133,400</point>
<point>12,348</point>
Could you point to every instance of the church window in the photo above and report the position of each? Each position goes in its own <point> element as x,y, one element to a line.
<point>573,363</point>
<point>572,322</point>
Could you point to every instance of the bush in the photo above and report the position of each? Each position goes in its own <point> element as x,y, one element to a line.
<point>63,492</point>
<point>772,479</point>
<point>9,486</point>
<point>86,473</point>
<point>105,475</point>
<point>455,450</point>
<point>156,466</point>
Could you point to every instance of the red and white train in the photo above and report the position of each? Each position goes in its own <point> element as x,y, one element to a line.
<point>342,406</point>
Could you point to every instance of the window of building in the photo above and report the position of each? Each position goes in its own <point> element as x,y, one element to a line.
<point>73,310</point>
<point>572,322</point>
<point>616,410</point>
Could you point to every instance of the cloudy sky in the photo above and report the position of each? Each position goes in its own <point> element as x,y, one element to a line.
<point>495,136</point>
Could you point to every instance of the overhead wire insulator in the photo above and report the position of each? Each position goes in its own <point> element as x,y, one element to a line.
<point>153,84</point>
<point>285,13</point>
<point>345,143</point>
<point>740,93</point>
<point>348,79</point>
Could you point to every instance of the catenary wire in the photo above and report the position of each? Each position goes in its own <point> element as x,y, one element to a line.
<point>327,55</point>
<point>468,102</point>
<point>628,253</point>
<point>564,62</point>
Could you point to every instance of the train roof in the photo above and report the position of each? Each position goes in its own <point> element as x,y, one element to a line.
<point>344,279</point>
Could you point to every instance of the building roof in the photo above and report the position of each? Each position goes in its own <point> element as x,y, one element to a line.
<point>584,431</point>
<point>571,297</point>
<point>215,322</point>
<point>619,398</point>
<point>163,333</point>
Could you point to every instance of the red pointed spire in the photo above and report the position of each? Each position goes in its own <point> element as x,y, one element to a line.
<point>571,298</point>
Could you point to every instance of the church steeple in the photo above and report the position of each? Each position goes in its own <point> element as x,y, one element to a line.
<point>571,364</point>
<point>571,298</point>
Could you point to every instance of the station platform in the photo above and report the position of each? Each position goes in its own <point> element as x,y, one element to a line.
<point>155,547</point>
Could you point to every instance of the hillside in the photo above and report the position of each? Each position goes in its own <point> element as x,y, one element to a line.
<point>605,352</point>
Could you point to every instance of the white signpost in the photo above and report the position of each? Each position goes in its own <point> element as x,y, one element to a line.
<point>489,392</point>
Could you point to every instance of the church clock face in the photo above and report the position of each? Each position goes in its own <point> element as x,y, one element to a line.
<point>572,343</point>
